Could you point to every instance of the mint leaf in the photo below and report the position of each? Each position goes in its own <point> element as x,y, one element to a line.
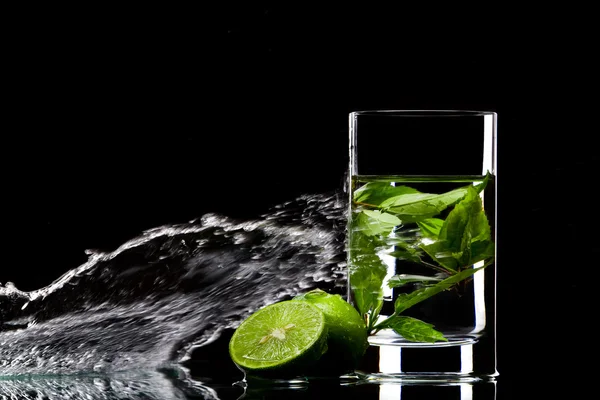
<point>405,249</point>
<point>367,284</point>
<point>403,279</point>
<point>431,227</point>
<point>366,272</point>
<point>407,300</point>
<point>464,237</point>
<point>482,251</point>
<point>373,193</point>
<point>414,329</point>
<point>375,222</point>
<point>415,207</point>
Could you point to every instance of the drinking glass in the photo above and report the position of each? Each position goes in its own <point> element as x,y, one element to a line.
<point>421,243</point>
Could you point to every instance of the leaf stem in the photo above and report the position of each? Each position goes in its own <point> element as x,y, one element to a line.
<point>437,268</point>
<point>366,204</point>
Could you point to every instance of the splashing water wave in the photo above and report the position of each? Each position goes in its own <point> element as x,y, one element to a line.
<point>152,301</point>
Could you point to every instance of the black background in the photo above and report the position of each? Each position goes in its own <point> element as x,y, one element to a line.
<point>119,120</point>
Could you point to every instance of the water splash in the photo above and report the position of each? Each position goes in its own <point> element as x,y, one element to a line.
<point>152,301</point>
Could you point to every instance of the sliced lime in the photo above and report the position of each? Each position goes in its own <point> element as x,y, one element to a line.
<point>347,337</point>
<point>280,340</point>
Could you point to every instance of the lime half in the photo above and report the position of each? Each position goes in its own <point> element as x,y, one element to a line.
<point>280,340</point>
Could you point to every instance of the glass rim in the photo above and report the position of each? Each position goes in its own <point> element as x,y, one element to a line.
<point>424,113</point>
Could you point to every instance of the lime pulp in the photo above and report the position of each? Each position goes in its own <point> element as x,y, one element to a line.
<point>279,340</point>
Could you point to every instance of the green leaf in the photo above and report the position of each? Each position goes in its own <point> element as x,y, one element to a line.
<point>404,248</point>
<point>364,239</point>
<point>414,330</point>
<point>482,250</point>
<point>366,282</point>
<point>406,254</point>
<point>403,279</point>
<point>374,193</point>
<point>482,185</point>
<point>366,272</point>
<point>431,227</point>
<point>465,237</point>
<point>415,207</point>
<point>406,300</point>
<point>375,222</point>
<point>369,275</point>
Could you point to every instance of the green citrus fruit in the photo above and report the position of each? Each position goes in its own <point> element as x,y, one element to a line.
<point>281,340</point>
<point>347,337</point>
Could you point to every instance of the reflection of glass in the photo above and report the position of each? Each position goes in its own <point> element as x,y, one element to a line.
<point>455,391</point>
<point>382,390</point>
<point>421,242</point>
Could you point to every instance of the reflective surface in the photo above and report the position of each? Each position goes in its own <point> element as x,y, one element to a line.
<point>156,386</point>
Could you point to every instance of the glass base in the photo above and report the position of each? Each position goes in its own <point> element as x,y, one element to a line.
<point>424,378</point>
<point>463,359</point>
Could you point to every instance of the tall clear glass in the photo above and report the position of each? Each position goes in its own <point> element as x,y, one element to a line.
<point>421,243</point>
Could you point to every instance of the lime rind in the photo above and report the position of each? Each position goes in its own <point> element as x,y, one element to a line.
<point>347,333</point>
<point>280,339</point>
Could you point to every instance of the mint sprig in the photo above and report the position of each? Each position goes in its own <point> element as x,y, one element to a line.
<point>456,246</point>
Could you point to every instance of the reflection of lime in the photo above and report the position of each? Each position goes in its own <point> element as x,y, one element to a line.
<point>281,340</point>
<point>347,338</point>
